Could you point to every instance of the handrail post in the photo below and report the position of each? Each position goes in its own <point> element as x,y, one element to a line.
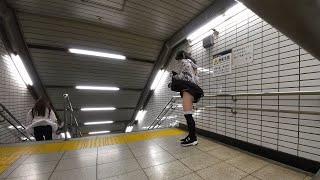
<point>65,116</point>
<point>72,117</point>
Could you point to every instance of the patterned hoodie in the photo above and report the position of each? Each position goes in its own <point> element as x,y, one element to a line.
<point>187,71</point>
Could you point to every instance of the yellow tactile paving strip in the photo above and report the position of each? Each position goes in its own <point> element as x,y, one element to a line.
<point>9,154</point>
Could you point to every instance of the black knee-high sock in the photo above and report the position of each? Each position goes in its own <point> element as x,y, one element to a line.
<point>191,126</point>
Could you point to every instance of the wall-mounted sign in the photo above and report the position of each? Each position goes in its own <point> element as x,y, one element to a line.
<point>222,63</point>
<point>242,55</point>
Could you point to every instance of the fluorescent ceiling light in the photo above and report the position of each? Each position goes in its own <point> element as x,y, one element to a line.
<point>100,88</point>
<point>140,115</point>
<point>21,69</point>
<point>157,79</point>
<point>98,122</point>
<point>64,136</point>
<point>98,132</point>
<point>11,127</point>
<point>202,36</point>
<point>129,129</point>
<point>234,10</point>
<point>96,53</point>
<point>99,109</point>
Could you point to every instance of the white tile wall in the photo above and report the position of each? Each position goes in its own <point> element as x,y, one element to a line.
<point>279,65</point>
<point>14,95</point>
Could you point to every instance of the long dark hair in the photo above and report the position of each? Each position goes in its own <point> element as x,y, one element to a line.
<point>39,109</point>
<point>184,55</point>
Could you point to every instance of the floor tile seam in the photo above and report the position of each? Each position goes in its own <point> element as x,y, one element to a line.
<point>38,162</point>
<point>13,168</point>
<point>82,167</point>
<point>62,145</point>
<point>139,163</point>
<point>97,153</point>
<point>236,167</point>
<point>269,161</point>
<point>25,176</point>
<point>246,174</point>
<point>73,157</point>
<point>170,161</point>
<point>177,159</point>
<point>194,171</point>
<point>251,174</point>
<point>120,174</point>
<point>55,167</point>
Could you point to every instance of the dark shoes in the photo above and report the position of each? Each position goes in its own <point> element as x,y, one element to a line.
<point>184,139</point>
<point>189,142</point>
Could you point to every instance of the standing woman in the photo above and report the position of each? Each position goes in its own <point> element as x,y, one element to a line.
<point>185,80</point>
<point>44,121</point>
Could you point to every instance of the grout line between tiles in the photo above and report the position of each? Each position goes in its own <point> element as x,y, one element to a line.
<point>97,163</point>
<point>138,162</point>
<point>55,167</point>
<point>192,171</point>
<point>16,167</point>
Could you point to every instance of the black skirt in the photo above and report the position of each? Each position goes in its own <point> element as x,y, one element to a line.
<point>186,86</point>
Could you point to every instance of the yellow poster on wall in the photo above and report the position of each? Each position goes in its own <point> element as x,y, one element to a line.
<point>222,63</point>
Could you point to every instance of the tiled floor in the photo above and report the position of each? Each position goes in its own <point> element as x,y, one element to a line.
<point>156,159</point>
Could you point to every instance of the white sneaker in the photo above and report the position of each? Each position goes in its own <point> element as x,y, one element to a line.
<point>189,142</point>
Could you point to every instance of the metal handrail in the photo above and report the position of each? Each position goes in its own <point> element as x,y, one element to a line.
<point>68,108</point>
<point>288,93</point>
<point>4,109</point>
<point>233,109</point>
<point>158,119</point>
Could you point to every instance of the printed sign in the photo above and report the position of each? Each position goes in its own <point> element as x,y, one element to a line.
<point>242,54</point>
<point>222,63</point>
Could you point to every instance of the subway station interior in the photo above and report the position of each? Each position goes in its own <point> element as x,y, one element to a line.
<point>89,90</point>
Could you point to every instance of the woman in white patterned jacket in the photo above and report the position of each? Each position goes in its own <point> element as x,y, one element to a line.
<point>185,80</point>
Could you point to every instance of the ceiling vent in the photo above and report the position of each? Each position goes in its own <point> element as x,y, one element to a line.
<point>114,4</point>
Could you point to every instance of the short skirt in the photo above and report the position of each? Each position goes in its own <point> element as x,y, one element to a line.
<point>187,86</point>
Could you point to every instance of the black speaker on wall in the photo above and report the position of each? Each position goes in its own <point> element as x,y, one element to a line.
<point>208,41</point>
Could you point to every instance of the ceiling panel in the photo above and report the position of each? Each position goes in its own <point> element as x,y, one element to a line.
<point>70,34</point>
<point>121,118</point>
<point>157,19</point>
<point>87,98</point>
<point>117,115</point>
<point>64,69</point>
<point>105,127</point>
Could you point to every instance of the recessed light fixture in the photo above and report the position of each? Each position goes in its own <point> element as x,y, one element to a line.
<point>21,69</point>
<point>96,53</point>
<point>98,122</point>
<point>140,115</point>
<point>99,88</point>
<point>98,132</point>
<point>98,109</point>
<point>11,127</point>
